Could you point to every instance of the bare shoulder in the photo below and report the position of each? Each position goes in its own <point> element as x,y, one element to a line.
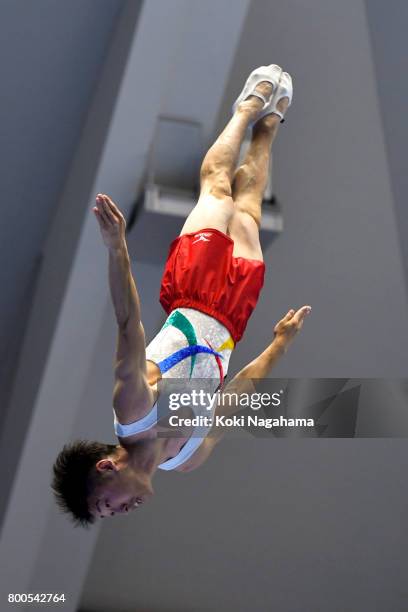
<point>133,398</point>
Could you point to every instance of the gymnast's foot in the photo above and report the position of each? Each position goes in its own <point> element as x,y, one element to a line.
<point>271,122</point>
<point>253,104</point>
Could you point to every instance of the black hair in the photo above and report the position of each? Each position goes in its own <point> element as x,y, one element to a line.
<point>74,473</point>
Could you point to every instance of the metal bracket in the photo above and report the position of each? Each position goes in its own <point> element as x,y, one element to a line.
<point>171,190</point>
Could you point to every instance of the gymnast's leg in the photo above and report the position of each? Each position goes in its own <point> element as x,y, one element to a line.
<point>249,185</point>
<point>215,206</point>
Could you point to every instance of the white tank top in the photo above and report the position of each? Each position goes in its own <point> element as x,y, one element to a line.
<point>191,344</point>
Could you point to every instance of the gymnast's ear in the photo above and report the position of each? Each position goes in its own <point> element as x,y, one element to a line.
<point>106,465</point>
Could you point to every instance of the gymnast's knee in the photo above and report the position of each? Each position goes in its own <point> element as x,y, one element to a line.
<point>246,178</point>
<point>215,179</point>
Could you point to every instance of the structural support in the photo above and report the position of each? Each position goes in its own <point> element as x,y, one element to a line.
<point>40,552</point>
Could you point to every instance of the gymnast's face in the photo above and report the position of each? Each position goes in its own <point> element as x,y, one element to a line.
<point>119,490</point>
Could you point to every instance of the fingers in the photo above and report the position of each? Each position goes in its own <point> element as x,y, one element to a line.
<point>284,320</point>
<point>108,212</point>
<point>101,212</point>
<point>115,210</point>
<point>111,206</point>
<point>105,210</point>
<point>102,223</point>
<point>288,315</point>
<point>291,323</point>
<point>300,315</point>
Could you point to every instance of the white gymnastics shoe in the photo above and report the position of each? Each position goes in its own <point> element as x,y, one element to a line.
<point>284,90</point>
<point>272,74</point>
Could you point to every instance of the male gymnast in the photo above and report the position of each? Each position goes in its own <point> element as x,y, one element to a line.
<point>210,286</point>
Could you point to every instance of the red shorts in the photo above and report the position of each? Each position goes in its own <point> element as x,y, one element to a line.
<point>201,273</point>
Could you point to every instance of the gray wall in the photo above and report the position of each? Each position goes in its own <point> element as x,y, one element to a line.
<point>388,37</point>
<point>51,54</point>
<point>340,248</point>
<point>275,525</point>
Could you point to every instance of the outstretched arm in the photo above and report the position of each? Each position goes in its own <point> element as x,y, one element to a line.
<point>122,286</point>
<point>132,395</point>
<point>284,333</point>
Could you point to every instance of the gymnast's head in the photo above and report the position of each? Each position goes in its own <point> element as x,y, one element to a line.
<point>94,480</point>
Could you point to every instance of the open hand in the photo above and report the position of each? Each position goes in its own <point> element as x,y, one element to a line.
<point>111,221</point>
<point>286,329</point>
